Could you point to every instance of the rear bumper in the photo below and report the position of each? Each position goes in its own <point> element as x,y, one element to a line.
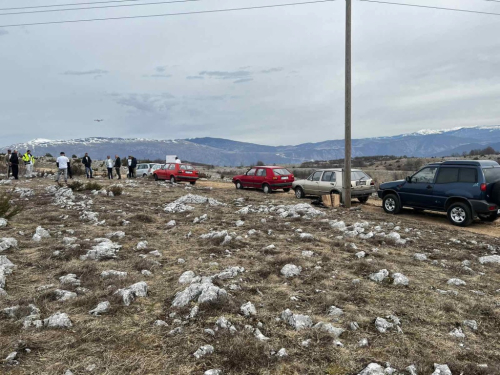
<point>483,207</point>
<point>362,193</point>
<point>282,185</point>
<point>186,178</point>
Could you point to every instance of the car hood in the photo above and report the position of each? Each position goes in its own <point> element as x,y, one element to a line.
<point>298,182</point>
<point>392,184</point>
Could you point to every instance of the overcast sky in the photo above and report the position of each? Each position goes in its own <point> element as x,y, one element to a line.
<point>271,76</point>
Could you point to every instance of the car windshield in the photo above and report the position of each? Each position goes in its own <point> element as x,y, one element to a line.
<point>358,175</point>
<point>281,172</point>
<point>491,174</point>
<point>186,167</point>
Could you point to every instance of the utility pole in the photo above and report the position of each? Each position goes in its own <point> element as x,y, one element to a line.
<point>347,157</point>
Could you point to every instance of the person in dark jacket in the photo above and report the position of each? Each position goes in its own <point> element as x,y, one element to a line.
<point>70,172</point>
<point>118,165</point>
<point>132,165</point>
<point>87,161</point>
<point>14,164</point>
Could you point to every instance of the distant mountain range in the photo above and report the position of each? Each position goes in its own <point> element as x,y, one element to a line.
<point>217,151</point>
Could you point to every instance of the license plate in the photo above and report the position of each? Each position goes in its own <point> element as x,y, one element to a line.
<point>284,178</point>
<point>189,172</point>
<point>358,183</point>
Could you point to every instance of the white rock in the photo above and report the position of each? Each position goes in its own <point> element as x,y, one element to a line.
<point>213,372</point>
<point>412,370</point>
<point>363,343</point>
<point>230,272</point>
<point>360,254</point>
<point>160,323</point>
<point>142,245</point>
<point>103,250</point>
<point>329,328</point>
<point>490,259</point>
<point>3,222</point>
<point>307,253</point>
<point>203,292</point>
<point>373,369</point>
<point>69,279</point>
<point>306,236</point>
<point>441,370</point>
<point>400,279</point>
<point>457,333</point>
<point>258,334</point>
<point>58,320</point>
<point>379,276</point>
<point>171,224</point>
<point>248,309</point>
<point>455,281</point>
<point>101,308</point>
<point>112,273</point>
<point>187,277</point>
<point>239,223</point>
<point>120,234</point>
<point>291,270</point>
<point>282,353</point>
<point>335,311</point>
<point>7,243</point>
<point>129,294</point>
<point>40,233</point>
<point>297,321</point>
<point>382,325</point>
<point>203,351</point>
<point>472,324</point>
<point>64,295</point>
<point>419,256</point>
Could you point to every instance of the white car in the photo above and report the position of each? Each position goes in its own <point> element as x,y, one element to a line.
<point>326,181</point>
<point>146,169</point>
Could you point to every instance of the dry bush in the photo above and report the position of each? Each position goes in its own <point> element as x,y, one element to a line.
<point>116,190</point>
<point>142,218</point>
<point>7,209</point>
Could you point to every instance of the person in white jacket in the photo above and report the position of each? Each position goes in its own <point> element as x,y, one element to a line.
<point>177,160</point>
<point>110,164</point>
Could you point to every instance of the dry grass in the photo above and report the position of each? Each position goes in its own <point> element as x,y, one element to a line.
<point>124,341</point>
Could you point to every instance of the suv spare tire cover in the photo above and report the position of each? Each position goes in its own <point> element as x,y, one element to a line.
<point>495,192</point>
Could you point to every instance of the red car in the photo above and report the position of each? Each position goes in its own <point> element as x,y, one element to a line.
<point>176,172</point>
<point>265,178</point>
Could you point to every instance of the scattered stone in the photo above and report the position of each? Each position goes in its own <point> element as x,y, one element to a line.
<point>258,334</point>
<point>203,351</point>
<point>490,259</point>
<point>282,353</point>
<point>291,270</point>
<point>457,333</point>
<point>103,250</point>
<point>7,243</point>
<point>373,369</point>
<point>306,237</point>
<point>248,309</point>
<point>379,276</point>
<point>40,233</point>
<point>441,370</point>
<point>69,279</point>
<point>307,253</point>
<point>363,343</point>
<point>101,308</point>
<point>142,245</point>
<point>171,224</point>
<point>329,328</point>
<point>335,311</point>
<point>213,372</point>
<point>120,234</point>
<point>382,325</point>
<point>112,273</point>
<point>204,292</point>
<point>129,294</point>
<point>419,256</point>
<point>58,320</point>
<point>457,282</point>
<point>297,321</point>
<point>64,295</point>
<point>412,369</point>
<point>472,324</point>
<point>400,279</point>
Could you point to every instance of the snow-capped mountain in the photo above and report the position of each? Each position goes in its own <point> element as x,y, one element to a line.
<point>217,151</point>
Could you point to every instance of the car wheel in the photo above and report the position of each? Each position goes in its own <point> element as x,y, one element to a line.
<point>391,204</point>
<point>144,175</point>
<point>172,179</point>
<point>363,199</point>
<point>266,188</point>
<point>299,193</point>
<point>238,185</point>
<point>156,177</point>
<point>286,190</point>
<point>488,217</point>
<point>459,214</point>
<point>192,182</point>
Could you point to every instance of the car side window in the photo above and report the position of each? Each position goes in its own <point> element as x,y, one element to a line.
<point>183,167</point>
<point>251,172</point>
<point>171,167</point>
<point>327,176</point>
<point>334,177</point>
<point>447,175</point>
<point>426,175</point>
<point>261,173</point>
<point>468,175</point>
<point>316,176</point>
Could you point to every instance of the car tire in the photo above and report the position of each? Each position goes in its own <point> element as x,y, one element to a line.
<point>286,190</point>
<point>144,175</point>
<point>488,217</point>
<point>299,193</point>
<point>172,179</point>
<point>495,192</point>
<point>363,200</point>
<point>192,182</point>
<point>238,185</point>
<point>266,189</point>
<point>156,177</point>
<point>459,214</point>
<point>391,204</point>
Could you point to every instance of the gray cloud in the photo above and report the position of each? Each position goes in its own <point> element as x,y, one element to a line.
<point>85,72</point>
<point>272,70</point>
<point>160,75</point>
<point>243,80</point>
<point>195,77</point>
<point>238,74</point>
<point>3,32</point>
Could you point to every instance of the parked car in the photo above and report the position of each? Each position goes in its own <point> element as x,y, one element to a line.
<point>462,189</point>
<point>327,181</point>
<point>146,169</point>
<point>265,178</point>
<point>176,172</point>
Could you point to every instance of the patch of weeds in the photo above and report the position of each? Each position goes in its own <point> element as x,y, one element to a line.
<point>116,190</point>
<point>92,186</point>
<point>143,218</point>
<point>242,352</point>
<point>7,209</point>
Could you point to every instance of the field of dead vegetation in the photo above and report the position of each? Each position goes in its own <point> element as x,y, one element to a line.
<point>174,279</point>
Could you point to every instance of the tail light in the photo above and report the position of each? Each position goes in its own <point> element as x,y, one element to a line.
<point>372,183</point>
<point>483,187</point>
<point>492,208</point>
<point>275,178</point>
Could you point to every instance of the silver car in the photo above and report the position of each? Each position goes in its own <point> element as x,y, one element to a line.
<point>326,181</point>
<point>146,169</point>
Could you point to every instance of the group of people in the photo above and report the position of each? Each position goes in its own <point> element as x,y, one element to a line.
<point>64,167</point>
<point>12,162</point>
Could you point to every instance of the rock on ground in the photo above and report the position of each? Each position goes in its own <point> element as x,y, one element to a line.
<point>291,270</point>
<point>373,369</point>
<point>101,308</point>
<point>297,321</point>
<point>441,370</point>
<point>58,320</point>
<point>203,351</point>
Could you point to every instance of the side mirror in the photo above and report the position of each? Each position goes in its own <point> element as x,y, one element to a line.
<point>408,179</point>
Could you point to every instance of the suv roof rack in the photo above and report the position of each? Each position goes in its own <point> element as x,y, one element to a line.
<point>481,163</point>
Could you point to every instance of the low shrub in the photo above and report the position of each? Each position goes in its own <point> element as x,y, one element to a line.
<point>7,209</point>
<point>116,190</point>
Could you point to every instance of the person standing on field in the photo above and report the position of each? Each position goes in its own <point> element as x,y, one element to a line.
<point>7,161</point>
<point>118,165</point>
<point>87,161</point>
<point>14,164</point>
<point>29,162</point>
<point>177,160</point>
<point>62,165</point>
<point>109,165</point>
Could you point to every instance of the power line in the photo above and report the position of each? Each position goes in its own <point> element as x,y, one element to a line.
<point>432,7</point>
<point>100,7</point>
<point>73,4</point>
<point>169,14</point>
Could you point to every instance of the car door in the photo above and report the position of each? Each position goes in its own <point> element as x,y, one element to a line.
<point>162,173</point>
<point>260,177</point>
<point>327,182</point>
<point>247,178</point>
<point>454,181</point>
<point>418,190</point>
<point>313,183</point>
